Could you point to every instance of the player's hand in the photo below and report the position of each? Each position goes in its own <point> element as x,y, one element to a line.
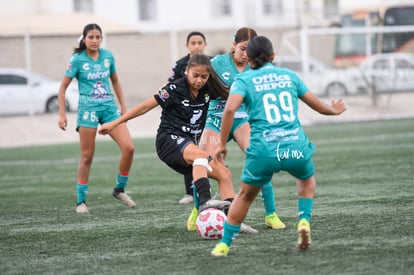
<point>221,152</point>
<point>105,128</point>
<point>63,122</point>
<point>338,106</point>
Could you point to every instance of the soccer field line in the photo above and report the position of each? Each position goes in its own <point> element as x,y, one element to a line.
<point>46,162</point>
<point>352,139</point>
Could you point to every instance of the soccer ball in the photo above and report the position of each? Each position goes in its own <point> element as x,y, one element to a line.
<point>210,224</point>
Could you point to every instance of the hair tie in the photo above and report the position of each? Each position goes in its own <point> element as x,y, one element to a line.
<point>80,38</point>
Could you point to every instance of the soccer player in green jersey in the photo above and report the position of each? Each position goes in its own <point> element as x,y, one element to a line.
<point>94,68</point>
<point>277,139</point>
<point>228,66</point>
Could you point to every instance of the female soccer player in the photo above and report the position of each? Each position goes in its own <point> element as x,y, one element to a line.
<point>195,43</point>
<point>228,66</point>
<point>94,68</point>
<point>184,104</point>
<point>277,139</point>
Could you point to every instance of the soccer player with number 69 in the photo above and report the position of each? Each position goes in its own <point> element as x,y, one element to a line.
<point>277,139</point>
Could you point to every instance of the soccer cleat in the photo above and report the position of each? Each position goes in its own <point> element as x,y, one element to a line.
<point>304,232</point>
<point>221,205</point>
<point>186,199</point>
<point>81,208</point>
<point>192,219</point>
<point>244,228</point>
<point>274,222</point>
<point>122,196</point>
<point>220,250</point>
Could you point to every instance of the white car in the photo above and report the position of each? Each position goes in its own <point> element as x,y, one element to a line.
<point>18,95</point>
<point>322,79</point>
<point>382,73</point>
<point>389,73</point>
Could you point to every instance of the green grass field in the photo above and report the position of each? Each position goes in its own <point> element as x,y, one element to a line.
<point>362,222</point>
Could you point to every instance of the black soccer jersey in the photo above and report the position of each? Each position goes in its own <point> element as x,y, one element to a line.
<point>178,70</point>
<point>182,115</point>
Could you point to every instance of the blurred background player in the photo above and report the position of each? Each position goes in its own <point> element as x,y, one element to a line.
<point>277,141</point>
<point>195,43</point>
<point>95,70</point>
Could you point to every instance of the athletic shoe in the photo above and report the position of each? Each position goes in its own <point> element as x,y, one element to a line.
<point>81,208</point>
<point>186,199</point>
<point>221,205</point>
<point>220,250</point>
<point>122,196</point>
<point>274,222</point>
<point>191,221</point>
<point>244,228</point>
<point>304,232</point>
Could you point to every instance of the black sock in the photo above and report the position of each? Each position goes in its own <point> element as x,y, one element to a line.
<point>226,210</point>
<point>188,182</point>
<point>203,190</point>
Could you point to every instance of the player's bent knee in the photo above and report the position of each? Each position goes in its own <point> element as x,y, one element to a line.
<point>202,162</point>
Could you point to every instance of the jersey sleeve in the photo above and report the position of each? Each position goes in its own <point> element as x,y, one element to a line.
<point>238,87</point>
<point>72,68</point>
<point>302,88</point>
<point>164,95</point>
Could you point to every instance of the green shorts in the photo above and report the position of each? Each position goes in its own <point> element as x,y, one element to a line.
<point>91,119</point>
<point>213,122</point>
<point>259,170</point>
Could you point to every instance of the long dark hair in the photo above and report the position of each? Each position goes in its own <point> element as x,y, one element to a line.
<point>217,88</point>
<point>259,50</point>
<point>243,34</point>
<point>86,29</point>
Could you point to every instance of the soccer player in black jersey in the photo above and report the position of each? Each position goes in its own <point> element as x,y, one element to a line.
<point>184,104</point>
<point>195,43</point>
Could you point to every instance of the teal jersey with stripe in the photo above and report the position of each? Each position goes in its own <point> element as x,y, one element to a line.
<point>93,79</point>
<point>271,95</point>
<point>225,68</point>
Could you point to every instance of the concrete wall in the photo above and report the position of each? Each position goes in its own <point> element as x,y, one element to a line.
<point>143,61</point>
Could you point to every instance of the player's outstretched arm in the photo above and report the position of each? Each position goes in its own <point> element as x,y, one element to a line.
<point>136,111</point>
<point>337,105</point>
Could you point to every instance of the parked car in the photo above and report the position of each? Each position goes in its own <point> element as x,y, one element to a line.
<point>18,95</point>
<point>389,73</point>
<point>322,79</point>
<point>386,73</point>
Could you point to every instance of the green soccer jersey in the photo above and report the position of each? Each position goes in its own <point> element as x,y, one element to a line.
<point>271,95</point>
<point>225,68</point>
<point>93,78</point>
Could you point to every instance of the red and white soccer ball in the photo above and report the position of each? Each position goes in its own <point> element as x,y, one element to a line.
<point>210,224</point>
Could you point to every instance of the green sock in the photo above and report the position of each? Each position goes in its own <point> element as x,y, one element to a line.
<point>230,232</point>
<point>121,181</point>
<point>81,191</point>
<point>305,208</point>
<point>268,198</point>
<point>196,198</point>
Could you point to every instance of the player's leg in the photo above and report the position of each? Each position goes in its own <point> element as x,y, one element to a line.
<point>237,213</point>
<point>122,137</point>
<point>241,133</point>
<point>87,148</point>
<point>306,190</point>
<point>188,185</point>
<point>200,161</point>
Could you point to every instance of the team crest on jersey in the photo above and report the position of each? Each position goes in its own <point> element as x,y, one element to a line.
<point>106,62</point>
<point>206,97</point>
<point>164,94</point>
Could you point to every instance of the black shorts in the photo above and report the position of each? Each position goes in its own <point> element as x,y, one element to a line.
<point>170,150</point>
